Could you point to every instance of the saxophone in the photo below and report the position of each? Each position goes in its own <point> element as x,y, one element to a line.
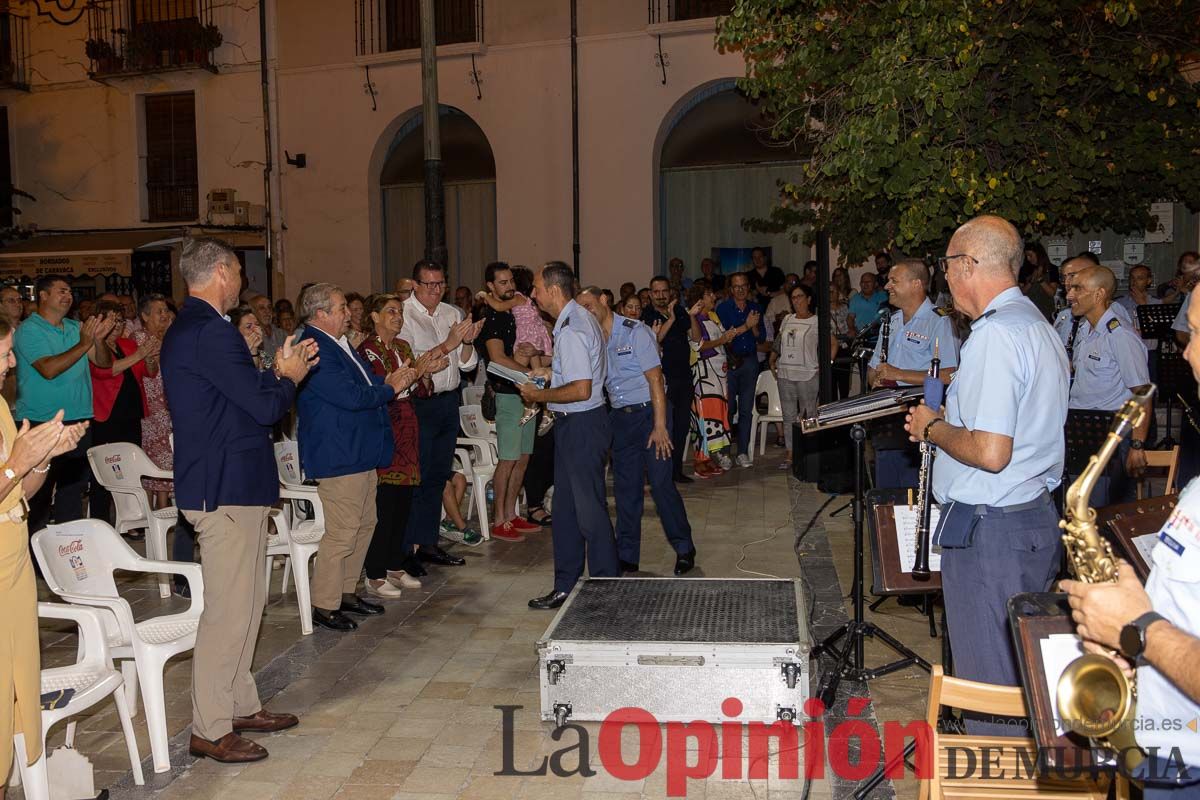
<point>1094,697</point>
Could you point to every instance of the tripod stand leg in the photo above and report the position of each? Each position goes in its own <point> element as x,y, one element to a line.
<point>930,608</point>
<point>878,602</point>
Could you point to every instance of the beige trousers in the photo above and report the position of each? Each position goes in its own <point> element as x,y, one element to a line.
<point>233,547</point>
<point>349,503</point>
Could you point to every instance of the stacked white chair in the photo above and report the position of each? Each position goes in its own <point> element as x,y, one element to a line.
<point>296,538</point>
<point>119,468</point>
<point>767,385</point>
<point>472,396</point>
<point>477,454</point>
<point>93,678</point>
<point>78,560</point>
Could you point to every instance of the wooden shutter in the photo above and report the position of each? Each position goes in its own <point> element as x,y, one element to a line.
<point>171,182</point>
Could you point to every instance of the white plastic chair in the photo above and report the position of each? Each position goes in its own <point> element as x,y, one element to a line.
<point>93,678</point>
<point>478,454</point>
<point>472,396</point>
<point>759,422</point>
<point>296,537</point>
<point>78,560</point>
<point>119,468</point>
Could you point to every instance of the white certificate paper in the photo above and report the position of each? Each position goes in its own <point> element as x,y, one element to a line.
<point>1145,545</point>
<point>906,536</point>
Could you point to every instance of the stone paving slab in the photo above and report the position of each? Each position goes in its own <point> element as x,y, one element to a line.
<point>405,706</point>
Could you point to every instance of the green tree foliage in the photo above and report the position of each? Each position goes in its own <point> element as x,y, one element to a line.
<point>1055,114</point>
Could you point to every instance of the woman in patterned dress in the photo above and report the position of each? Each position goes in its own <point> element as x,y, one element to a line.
<point>27,452</point>
<point>388,554</point>
<point>156,426</point>
<point>710,409</point>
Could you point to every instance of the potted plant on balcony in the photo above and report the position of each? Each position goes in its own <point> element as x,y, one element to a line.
<point>103,55</point>
<point>143,48</point>
<point>210,39</point>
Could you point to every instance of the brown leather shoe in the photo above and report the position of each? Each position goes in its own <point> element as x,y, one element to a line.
<point>265,722</point>
<point>229,749</point>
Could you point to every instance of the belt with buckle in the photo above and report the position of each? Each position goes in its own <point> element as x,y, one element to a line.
<point>17,514</point>
<point>634,407</point>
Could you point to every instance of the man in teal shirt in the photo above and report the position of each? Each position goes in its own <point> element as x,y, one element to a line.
<point>53,374</point>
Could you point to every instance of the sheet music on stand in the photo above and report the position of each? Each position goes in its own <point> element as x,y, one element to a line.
<point>907,518</point>
<point>879,403</point>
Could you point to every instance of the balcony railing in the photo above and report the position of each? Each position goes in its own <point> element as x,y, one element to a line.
<point>137,36</point>
<point>382,26</point>
<point>172,202</point>
<point>14,51</point>
<point>680,10</point>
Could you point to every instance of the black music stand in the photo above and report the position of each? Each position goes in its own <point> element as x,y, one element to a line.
<point>1155,323</point>
<point>848,662</point>
<point>1085,433</point>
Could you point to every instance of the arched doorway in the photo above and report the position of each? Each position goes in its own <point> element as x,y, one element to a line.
<point>715,167</point>
<point>470,181</point>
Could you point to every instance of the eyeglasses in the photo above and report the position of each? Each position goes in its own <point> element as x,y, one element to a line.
<point>433,284</point>
<point>944,262</point>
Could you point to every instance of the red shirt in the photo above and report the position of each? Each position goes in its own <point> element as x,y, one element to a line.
<point>106,386</point>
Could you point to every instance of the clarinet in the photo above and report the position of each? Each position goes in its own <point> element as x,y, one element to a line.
<point>885,333</point>
<point>933,399</point>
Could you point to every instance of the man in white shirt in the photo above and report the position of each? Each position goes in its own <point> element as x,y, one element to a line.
<point>430,324</point>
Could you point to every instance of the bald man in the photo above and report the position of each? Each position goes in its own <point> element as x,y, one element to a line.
<point>1000,453</point>
<point>1109,366</point>
<point>1071,327</point>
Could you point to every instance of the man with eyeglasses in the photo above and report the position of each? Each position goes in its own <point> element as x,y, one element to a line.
<point>915,328</point>
<point>430,324</point>
<point>1000,454</point>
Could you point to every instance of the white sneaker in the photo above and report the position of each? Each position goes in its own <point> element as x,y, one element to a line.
<point>402,580</point>
<point>385,589</point>
<point>744,461</point>
<point>723,461</point>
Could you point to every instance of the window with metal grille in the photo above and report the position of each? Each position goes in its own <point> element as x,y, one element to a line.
<point>172,193</point>
<point>388,25</point>
<point>679,10</point>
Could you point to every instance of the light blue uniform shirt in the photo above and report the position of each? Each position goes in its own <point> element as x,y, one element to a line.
<point>632,350</point>
<point>1109,361</point>
<point>578,355</point>
<point>910,346</point>
<point>1127,302</point>
<point>1174,589</point>
<point>1011,380</point>
<point>1180,323</point>
<point>39,399</point>
<point>1062,323</point>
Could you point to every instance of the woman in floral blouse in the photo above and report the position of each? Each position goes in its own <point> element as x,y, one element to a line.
<point>385,352</point>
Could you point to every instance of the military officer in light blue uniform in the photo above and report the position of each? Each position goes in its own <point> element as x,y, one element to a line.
<point>914,328</point>
<point>1000,454</point>
<point>1072,327</point>
<point>641,435</point>
<point>1109,364</point>
<point>582,529</point>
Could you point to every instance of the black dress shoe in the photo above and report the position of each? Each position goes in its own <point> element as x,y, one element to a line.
<point>681,478</point>
<point>334,620</point>
<point>628,566</point>
<point>412,565</point>
<point>356,605</point>
<point>549,601</point>
<point>684,562</point>
<point>436,555</point>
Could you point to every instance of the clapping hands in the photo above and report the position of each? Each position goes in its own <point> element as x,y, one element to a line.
<point>295,359</point>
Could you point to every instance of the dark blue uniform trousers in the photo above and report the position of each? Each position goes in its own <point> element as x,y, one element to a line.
<point>437,420</point>
<point>633,461</point>
<point>581,526</point>
<point>1012,552</point>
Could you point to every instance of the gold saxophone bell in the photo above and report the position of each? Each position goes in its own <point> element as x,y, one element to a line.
<point>1094,698</point>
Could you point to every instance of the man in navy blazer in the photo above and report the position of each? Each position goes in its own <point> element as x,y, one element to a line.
<point>222,409</point>
<point>345,435</point>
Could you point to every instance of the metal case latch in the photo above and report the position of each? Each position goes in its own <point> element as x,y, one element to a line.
<point>791,673</point>
<point>786,714</point>
<point>555,670</point>
<point>561,712</point>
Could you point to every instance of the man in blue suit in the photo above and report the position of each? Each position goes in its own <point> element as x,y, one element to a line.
<point>222,409</point>
<point>345,435</point>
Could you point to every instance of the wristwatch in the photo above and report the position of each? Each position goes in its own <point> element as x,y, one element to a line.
<point>1137,444</point>
<point>1133,636</point>
<point>8,473</point>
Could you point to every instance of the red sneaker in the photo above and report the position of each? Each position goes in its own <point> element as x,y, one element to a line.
<point>507,533</point>
<point>523,526</point>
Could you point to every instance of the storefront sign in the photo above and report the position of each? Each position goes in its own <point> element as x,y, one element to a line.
<point>35,265</point>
